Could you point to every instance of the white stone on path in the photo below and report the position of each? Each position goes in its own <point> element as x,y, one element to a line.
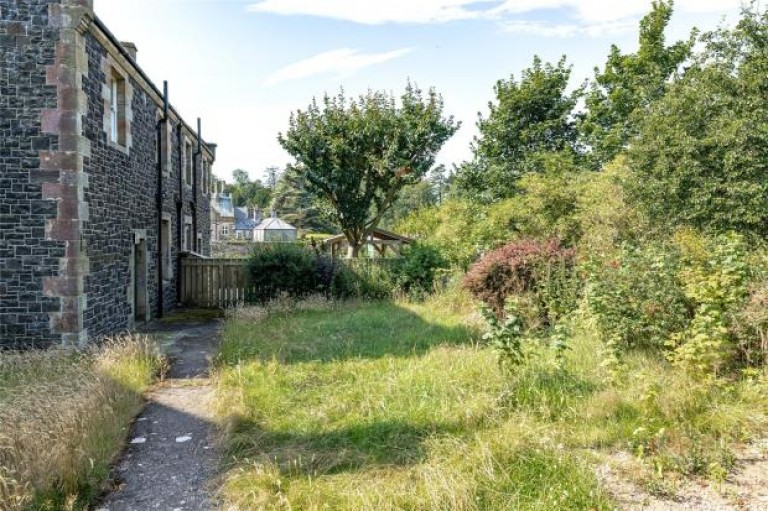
<point>182,439</point>
<point>138,440</point>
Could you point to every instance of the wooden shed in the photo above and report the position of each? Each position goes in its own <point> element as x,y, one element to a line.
<point>381,243</point>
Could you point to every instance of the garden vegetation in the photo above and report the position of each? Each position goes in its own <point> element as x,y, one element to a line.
<point>595,286</point>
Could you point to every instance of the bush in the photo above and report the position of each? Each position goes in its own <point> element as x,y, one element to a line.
<point>538,273</point>
<point>283,268</point>
<point>637,299</point>
<point>415,272</point>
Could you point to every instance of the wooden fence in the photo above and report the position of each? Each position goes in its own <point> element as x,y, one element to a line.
<point>223,283</point>
<point>213,283</point>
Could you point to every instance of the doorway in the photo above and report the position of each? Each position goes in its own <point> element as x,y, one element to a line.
<point>139,296</point>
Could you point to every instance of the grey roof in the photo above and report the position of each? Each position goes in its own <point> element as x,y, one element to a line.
<point>243,221</point>
<point>274,224</point>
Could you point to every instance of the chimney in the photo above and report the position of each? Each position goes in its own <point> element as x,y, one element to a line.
<point>274,214</point>
<point>130,48</point>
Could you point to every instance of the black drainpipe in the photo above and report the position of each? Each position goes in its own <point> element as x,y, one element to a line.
<point>197,166</point>
<point>160,129</point>
<point>179,211</point>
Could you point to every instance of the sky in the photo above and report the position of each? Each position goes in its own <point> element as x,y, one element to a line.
<point>244,65</point>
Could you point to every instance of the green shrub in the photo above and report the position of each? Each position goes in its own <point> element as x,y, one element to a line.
<point>415,272</point>
<point>363,278</point>
<point>281,268</point>
<point>637,299</point>
<point>715,279</point>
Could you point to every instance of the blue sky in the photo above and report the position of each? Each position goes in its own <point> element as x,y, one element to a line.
<point>244,65</point>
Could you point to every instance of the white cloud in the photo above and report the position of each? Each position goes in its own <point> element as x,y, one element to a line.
<point>543,29</point>
<point>375,12</point>
<point>340,63</point>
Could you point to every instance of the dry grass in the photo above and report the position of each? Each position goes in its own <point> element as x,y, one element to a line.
<point>64,416</point>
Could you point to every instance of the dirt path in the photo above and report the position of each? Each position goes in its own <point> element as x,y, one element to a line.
<point>745,489</point>
<point>171,459</point>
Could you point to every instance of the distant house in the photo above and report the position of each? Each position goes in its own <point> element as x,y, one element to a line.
<point>246,223</point>
<point>379,244</point>
<point>273,229</point>
<point>222,215</point>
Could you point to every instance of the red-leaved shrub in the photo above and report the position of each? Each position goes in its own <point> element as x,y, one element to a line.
<point>523,267</point>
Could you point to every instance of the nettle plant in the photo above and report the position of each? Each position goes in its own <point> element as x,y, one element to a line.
<point>636,298</point>
<point>716,281</point>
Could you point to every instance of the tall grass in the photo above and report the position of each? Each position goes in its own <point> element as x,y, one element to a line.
<point>64,416</point>
<point>380,406</point>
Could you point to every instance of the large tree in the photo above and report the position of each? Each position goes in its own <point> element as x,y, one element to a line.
<point>529,117</point>
<point>702,152</point>
<point>296,205</point>
<point>628,84</point>
<point>357,155</point>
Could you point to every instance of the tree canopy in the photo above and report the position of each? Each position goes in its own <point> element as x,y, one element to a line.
<point>245,192</point>
<point>629,84</point>
<point>529,117</point>
<point>702,151</point>
<point>358,155</point>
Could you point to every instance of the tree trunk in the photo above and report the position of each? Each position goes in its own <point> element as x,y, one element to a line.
<point>354,251</point>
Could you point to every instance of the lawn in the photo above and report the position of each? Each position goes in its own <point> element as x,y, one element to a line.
<point>386,406</point>
<point>378,406</point>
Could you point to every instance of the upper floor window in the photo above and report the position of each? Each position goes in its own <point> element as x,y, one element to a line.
<point>188,163</point>
<point>117,104</point>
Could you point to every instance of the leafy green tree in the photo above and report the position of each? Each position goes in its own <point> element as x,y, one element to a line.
<point>297,206</point>
<point>412,198</point>
<point>629,84</point>
<point>529,117</point>
<point>358,155</point>
<point>440,183</point>
<point>245,192</point>
<point>240,176</point>
<point>702,153</point>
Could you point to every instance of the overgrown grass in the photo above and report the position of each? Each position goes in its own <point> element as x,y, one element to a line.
<point>64,416</point>
<point>384,406</point>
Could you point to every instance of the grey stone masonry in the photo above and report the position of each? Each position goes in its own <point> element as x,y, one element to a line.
<point>80,217</point>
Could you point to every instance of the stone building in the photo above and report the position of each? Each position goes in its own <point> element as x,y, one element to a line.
<point>101,186</point>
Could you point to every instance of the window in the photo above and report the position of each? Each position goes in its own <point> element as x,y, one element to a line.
<point>188,160</point>
<point>165,242</point>
<point>117,106</point>
<point>188,240</point>
<point>206,176</point>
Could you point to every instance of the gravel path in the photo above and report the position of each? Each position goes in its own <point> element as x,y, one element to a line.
<point>171,459</point>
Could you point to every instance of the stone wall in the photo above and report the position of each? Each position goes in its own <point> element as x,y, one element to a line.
<point>73,204</point>
<point>27,257</point>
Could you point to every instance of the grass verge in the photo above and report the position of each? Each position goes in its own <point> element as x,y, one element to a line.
<point>64,416</point>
